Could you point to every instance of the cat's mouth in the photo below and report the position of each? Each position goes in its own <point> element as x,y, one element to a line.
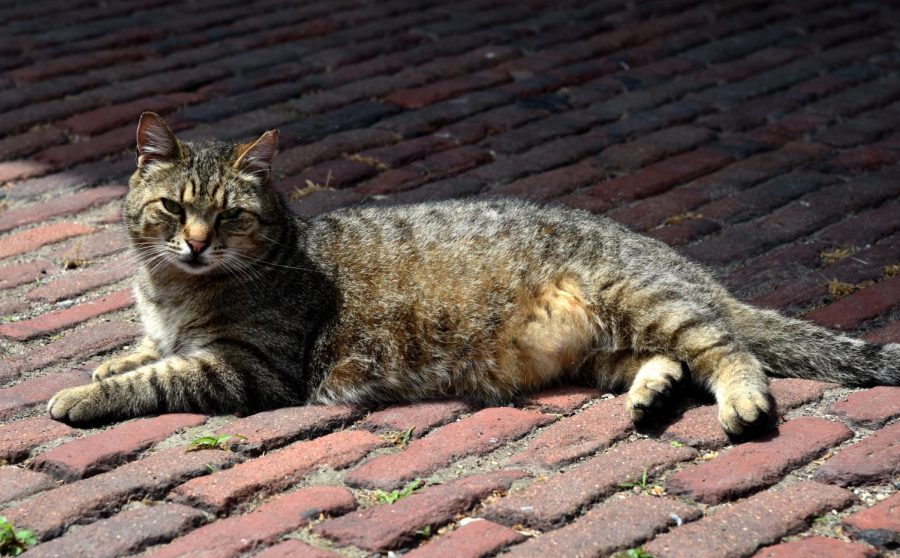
<point>195,264</point>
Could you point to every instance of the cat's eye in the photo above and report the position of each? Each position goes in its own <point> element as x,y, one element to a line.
<point>230,213</point>
<point>172,206</point>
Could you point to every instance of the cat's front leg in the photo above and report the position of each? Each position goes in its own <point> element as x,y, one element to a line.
<point>145,353</point>
<point>202,382</point>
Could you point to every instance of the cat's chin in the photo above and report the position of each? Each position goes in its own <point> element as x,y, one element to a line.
<point>195,267</point>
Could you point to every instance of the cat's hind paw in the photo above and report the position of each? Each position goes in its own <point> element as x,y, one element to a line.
<point>746,411</point>
<point>652,387</point>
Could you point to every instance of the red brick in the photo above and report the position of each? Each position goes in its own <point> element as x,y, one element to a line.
<point>19,274</point>
<point>32,239</point>
<point>740,529</point>
<point>878,525</point>
<point>66,205</point>
<point>790,393</point>
<point>817,547</point>
<point>124,533</point>
<point>478,434</point>
<point>759,463</point>
<point>442,90</point>
<point>111,141</point>
<point>391,526</point>
<point>850,312</point>
<point>636,154</point>
<point>74,283</point>
<point>564,400</point>
<point>556,182</point>
<point>30,141</point>
<point>681,233</point>
<point>332,174</point>
<point>473,540</point>
<point>76,63</point>
<point>871,407</point>
<point>887,334</point>
<point>49,513</point>
<point>235,535</point>
<point>97,245</point>
<point>31,392</point>
<point>19,438</point>
<point>623,522</point>
<point>276,471</point>
<point>17,170</point>
<point>16,483</point>
<point>104,118</point>
<point>405,152</point>
<point>61,319</point>
<point>549,503</point>
<point>869,461</point>
<point>421,417</point>
<point>594,428</point>
<point>84,342</point>
<point>272,429</point>
<point>296,159</point>
<point>292,548</point>
<point>107,450</point>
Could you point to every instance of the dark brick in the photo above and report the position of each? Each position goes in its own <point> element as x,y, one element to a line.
<point>223,491</point>
<point>636,154</point>
<point>872,407</point>
<point>549,503</point>
<point>16,483</point>
<point>623,522</point>
<point>124,533</point>
<point>872,460</point>
<point>49,513</point>
<point>478,538</point>
<point>557,182</point>
<point>759,463</point>
<point>817,547</point>
<point>887,334</point>
<point>851,311</point>
<point>298,158</point>
<point>878,525</point>
<point>61,319</point>
<point>478,434</point>
<point>235,535</point>
<point>104,118</point>
<point>107,450</point>
<point>759,520</point>
<point>594,428</point>
<point>391,526</point>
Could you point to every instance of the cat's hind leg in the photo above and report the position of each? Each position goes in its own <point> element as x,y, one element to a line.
<point>652,385</point>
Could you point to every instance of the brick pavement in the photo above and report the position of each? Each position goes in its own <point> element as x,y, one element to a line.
<point>759,137</point>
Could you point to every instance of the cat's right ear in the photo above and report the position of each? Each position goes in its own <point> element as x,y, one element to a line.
<point>155,141</point>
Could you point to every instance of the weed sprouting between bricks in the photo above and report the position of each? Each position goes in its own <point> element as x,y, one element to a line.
<point>14,541</point>
<point>213,442</point>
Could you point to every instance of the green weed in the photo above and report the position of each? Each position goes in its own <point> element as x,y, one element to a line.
<point>213,442</point>
<point>14,541</point>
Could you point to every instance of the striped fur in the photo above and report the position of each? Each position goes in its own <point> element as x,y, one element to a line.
<point>479,299</point>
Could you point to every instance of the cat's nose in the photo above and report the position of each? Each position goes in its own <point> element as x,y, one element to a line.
<point>197,246</point>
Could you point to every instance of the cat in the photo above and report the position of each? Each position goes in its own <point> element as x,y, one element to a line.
<point>247,307</point>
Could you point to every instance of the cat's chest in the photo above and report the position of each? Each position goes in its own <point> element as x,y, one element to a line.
<point>176,328</point>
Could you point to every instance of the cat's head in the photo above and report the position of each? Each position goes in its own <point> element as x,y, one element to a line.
<point>200,208</point>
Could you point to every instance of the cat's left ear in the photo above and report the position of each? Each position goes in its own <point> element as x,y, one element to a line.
<point>255,157</point>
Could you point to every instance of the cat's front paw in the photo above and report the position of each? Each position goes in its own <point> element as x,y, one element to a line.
<point>77,405</point>
<point>113,367</point>
<point>746,411</point>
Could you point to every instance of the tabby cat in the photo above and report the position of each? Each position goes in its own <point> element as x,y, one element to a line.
<point>247,307</point>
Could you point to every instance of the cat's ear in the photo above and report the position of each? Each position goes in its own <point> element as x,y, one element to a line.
<point>255,157</point>
<point>155,141</point>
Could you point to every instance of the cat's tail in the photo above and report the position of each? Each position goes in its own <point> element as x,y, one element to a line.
<point>793,348</point>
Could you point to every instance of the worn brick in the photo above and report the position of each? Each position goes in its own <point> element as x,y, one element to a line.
<point>97,245</point>
<point>49,513</point>
<point>271,429</point>
<point>292,548</point>
<point>104,118</point>
<point>636,154</point>
<point>853,310</point>
<point>30,141</point>
<point>817,547</point>
<point>623,522</point>
<point>264,525</point>
<point>421,417</point>
<point>887,334</point>
<point>549,503</point>
<point>56,207</point>
<point>871,407</point>
<point>878,525</point>
<point>28,393</point>
<point>106,450</point>
<point>74,283</point>
<point>391,526</point>
<point>298,158</point>
<point>473,540</point>
<point>276,471</point>
<point>19,438</point>
<point>16,482</point>
<point>18,170</point>
<point>124,533</point>
<point>32,239</point>
<point>592,429</point>
<point>478,434</point>
<point>870,461</point>
<point>61,319</point>
<point>758,463</point>
<point>84,342</point>
<point>743,527</point>
<point>19,274</point>
<point>556,182</point>
<point>563,399</point>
